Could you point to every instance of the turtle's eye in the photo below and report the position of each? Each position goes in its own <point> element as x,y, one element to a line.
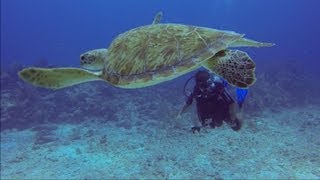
<point>82,58</point>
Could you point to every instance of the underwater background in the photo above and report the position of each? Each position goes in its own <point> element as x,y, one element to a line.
<point>94,130</point>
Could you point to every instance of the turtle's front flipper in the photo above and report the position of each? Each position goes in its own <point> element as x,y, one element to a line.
<point>234,66</point>
<point>57,78</point>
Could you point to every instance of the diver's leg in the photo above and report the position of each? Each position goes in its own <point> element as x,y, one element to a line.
<point>232,111</point>
<point>202,120</point>
<point>232,119</point>
<point>235,125</point>
<point>212,124</point>
<point>218,115</point>
<point>218,121</point>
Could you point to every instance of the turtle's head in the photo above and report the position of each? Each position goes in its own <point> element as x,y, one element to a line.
<point>94,59</point>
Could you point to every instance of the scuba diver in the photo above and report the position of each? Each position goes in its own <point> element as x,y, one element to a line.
<point>214,103</point>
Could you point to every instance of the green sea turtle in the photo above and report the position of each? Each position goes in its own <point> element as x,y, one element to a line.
<point>155,53</point>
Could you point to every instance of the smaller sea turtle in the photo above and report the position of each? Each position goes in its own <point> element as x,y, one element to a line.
<point>156,53</point>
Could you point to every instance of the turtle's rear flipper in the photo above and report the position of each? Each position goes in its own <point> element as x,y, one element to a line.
<point>157,18</point>
<point>243,42</point>
<point>57,78</point>
<point>234,66</point>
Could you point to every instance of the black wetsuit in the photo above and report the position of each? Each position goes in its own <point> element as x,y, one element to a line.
<point>212,103</point>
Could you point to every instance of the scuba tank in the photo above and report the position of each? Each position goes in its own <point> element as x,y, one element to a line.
<point>241,96</point>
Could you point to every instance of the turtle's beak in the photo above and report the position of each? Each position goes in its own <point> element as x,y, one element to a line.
<point>88,61</point>
<point>93,60</point>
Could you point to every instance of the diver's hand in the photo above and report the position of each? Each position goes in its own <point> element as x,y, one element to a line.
<point>195,128</point>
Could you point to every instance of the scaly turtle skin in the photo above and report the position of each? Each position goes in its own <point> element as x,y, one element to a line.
<point>155,53</point>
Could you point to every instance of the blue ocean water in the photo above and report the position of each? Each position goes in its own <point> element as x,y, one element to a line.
<point>94,130</point>
<point>59,31</point>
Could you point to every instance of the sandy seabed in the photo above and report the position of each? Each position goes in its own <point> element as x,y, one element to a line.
<point>283,144</point>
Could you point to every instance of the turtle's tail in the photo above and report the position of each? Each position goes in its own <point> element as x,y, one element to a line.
<point>56,78</point>
<point>234,66</point>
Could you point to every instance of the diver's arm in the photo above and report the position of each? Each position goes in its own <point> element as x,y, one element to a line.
<point>185,106</point>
